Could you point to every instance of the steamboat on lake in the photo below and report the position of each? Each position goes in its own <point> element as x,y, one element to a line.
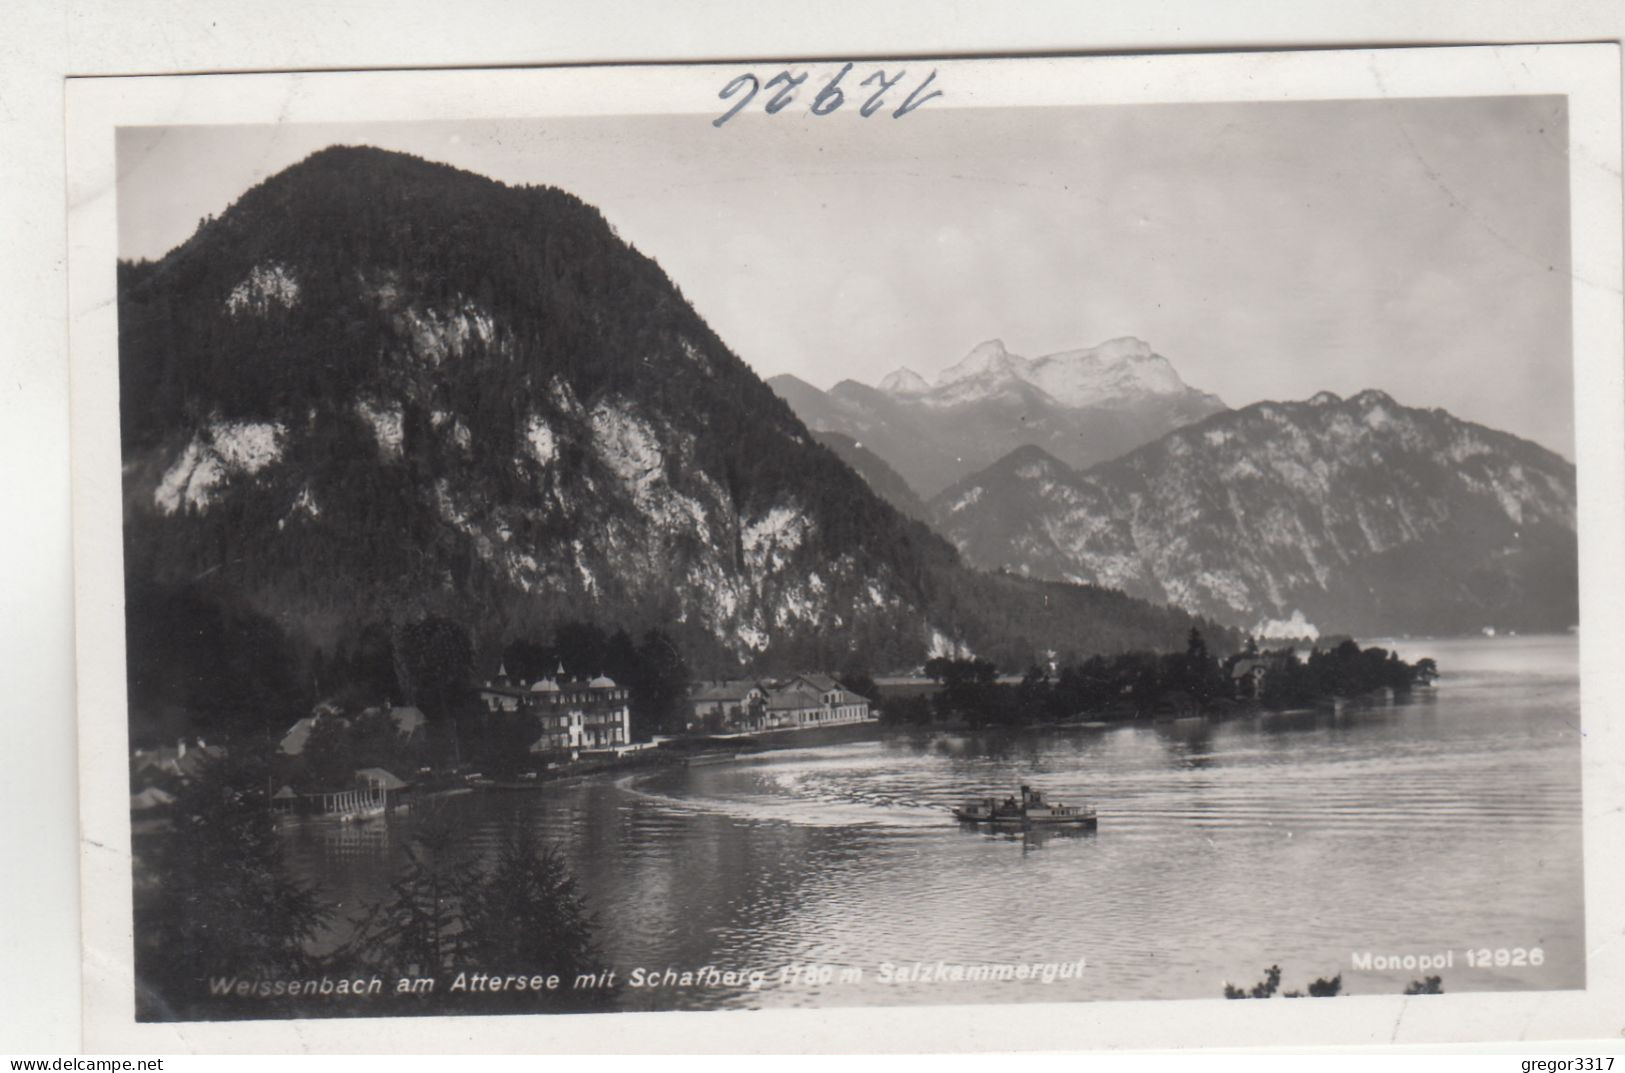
<point>1030,810</point>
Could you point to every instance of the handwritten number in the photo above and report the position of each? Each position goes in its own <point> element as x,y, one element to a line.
<point>745,88</point>
<point>915,100</point>
<point>782,98</point>
<point>732,88</point>
<point>830,97</point>
<point>873,104</point>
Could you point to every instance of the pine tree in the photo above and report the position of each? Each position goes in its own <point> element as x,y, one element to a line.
<point>213,895</point>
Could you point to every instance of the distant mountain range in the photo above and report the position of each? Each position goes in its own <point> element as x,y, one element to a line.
<point>377,388</point>
<point>1082,406</point>
<point>1357,515</point>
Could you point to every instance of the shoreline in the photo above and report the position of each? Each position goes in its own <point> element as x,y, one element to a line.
<point>707,749</point>
<point>726,748</point>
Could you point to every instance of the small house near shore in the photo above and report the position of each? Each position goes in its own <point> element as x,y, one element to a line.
<point>1247,677</point>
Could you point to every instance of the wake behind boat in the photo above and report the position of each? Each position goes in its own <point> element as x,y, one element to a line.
<point>1030,810</point>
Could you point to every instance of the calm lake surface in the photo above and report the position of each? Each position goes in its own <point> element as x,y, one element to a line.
<point>1448,822</point>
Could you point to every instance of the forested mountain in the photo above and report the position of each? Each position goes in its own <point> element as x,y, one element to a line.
<point>377,388</point>
<point>1083,406</point>
<point>1361,514</point>
<point>884,481</point>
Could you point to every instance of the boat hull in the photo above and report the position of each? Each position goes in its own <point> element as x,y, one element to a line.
<point>1030,810</point>
<point>1084,820</point>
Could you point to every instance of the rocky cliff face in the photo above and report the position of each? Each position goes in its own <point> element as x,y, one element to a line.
<point>377,388</point>
<point>1357,515</point>
<point>1083,406</point>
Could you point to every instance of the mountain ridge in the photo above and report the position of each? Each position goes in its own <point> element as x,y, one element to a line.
<point>378,387</point>
<point>1084,405</point>
<point>1119,371</point>
<point>1364,515</point>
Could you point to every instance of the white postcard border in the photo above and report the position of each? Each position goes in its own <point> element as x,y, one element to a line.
<point>1588,74</point>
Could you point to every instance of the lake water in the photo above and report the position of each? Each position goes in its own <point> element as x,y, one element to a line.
<point>1449,822</point>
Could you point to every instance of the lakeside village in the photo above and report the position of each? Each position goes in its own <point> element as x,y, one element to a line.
<point>215,899</point>
<point>523,732</point>
<point>350,763</point>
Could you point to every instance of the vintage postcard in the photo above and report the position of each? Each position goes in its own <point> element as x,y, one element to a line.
<point>873,554</point>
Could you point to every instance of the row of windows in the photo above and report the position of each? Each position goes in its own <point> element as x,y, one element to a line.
<point>816,715</point>
<point>827,715</point>
<point>558,740</point>
<point>567,719</point>
<point>534,700</point>
<point>592,709</point>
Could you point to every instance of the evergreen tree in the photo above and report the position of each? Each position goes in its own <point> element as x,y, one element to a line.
<point>1201,677</point>
<point>213,896</point>
<point>525,913</point>
<point>661,686</point>
<point>421,928</point>
<point>434,662</point>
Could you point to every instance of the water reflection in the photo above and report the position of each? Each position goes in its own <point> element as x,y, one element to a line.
<point>1030,838</point>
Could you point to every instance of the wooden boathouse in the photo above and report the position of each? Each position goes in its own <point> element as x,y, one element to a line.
<point>375,792</point>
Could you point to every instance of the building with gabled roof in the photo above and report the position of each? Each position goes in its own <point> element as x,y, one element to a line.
<point>409,722</point>
<point>739,703</point>
<point>814,700</point>
<point>1248,674</point>
<point>181,760</point>
<point>751,704</point>
<point>823,683</point>
<point>293,741</point>
<point>793,706</point>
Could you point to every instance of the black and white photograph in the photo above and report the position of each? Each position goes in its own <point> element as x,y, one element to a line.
<point>846,534</point>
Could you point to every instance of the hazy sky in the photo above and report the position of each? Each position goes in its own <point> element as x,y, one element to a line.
<point>1268,250</point>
